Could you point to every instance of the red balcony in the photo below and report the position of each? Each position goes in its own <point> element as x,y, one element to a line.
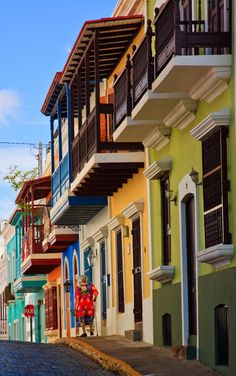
<point>34,261</point>
<point>57,238</point>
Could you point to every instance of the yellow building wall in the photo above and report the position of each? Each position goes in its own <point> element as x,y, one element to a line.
<point>134,190</point>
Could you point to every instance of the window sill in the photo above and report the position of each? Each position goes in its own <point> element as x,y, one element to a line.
<point>162,273</point>
<point>217,256</point>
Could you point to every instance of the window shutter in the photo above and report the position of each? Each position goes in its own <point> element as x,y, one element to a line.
<point>165,213</point>
<point>121,303</point>
<point>215,189</point>
<point>46,311</point>
<point>54,310</point>
<point>50,310</point>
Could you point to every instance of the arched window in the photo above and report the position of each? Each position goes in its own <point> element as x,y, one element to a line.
<point>221,335</point>
<point>166,329</point>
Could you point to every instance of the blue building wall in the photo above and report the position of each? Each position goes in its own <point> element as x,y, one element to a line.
<point>69,255</point>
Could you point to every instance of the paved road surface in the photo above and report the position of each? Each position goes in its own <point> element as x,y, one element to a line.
<point>33,359</point>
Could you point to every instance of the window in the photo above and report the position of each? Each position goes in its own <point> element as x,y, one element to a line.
<point>221,335</point>
<point>51,322</point>
<point>215,189</point>
<point>165,211</point>
<point>120,281</point>
<point>87,267</point>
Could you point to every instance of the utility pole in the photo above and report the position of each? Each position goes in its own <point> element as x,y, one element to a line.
<point>40,160</point>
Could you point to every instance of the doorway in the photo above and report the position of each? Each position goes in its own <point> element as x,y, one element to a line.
<point>103,280</point>
<point>191,265</point>
<point>67,296</point>
<point>137,271</point>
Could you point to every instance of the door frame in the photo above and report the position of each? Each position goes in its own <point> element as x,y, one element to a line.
<point>185,189</point>
<point>138,215</point>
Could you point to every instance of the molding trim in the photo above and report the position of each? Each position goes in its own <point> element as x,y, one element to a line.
<point>89,242</point>
<point>217,256</point>
<point>162,273</point>
<point>100,234</point>
<point>182,114</point>
<point>116,222</point>
<point>158,138</point>
<point>158,168</point>
<point>211,123</point>
<point>212,85</point>
<point>133,208</point>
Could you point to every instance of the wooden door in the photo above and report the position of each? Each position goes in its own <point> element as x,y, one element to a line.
<point>191,266</point>
<point>67,314</point>
<point>103,280</point>
<point>137,271</point>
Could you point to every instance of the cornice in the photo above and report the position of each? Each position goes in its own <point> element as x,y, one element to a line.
<point>158,168</point>
<point>158,138</point>
<point>116,222</point>
<point>89,242</point>
<point>133,208</point>
<point>211,123</point>
<point>100,234</point>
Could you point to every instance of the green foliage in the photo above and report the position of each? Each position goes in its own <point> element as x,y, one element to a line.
<point>16,177</point>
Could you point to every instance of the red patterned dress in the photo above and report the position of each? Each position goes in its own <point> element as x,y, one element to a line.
<point>85,297</point>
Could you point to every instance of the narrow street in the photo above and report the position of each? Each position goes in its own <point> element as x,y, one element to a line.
<point>33,359</point>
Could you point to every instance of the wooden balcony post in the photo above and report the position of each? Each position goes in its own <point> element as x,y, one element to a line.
<point>68,98</point>
<point>128,87</point>
<point>97,91</point>
<point>150,73</point>
<point>32,220</point>
<point>177,28</point>
<point>156,44</point>
<point>59,131</point>
<point>79,103</point>
<point>52,143</point>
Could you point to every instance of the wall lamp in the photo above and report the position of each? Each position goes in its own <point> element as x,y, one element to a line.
<point>194,176</point>
<point>169,194</point>
<point>92,257</point>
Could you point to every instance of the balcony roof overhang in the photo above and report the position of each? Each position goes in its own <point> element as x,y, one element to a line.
<point>59,242</point>
<point>76,210</point>
<point>40,187</point>
<point>52,95</point>
<point>40,263</point>
<point>115,34</point>
<point>105,173</point>
<point>29,284</point>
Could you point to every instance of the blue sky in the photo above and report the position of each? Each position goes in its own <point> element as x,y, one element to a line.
<point>35,40</point>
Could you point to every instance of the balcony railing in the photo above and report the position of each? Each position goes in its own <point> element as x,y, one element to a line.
<point>32,241</point>
<point>3,327</point>
<point>18,267</point>
<point>174,36</point>
<point>60,179</point>
<point>91,138</point>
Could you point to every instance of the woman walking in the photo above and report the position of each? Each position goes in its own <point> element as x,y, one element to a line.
<point>85,296</point>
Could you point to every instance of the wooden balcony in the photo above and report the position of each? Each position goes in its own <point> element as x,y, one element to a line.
<point>34,261</point>
<point>29,283</point>
<point>57,238</point>
<point>190,64</point>
<point>101,166</point>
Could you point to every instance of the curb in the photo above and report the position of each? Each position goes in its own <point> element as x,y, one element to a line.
<point>106,361</point>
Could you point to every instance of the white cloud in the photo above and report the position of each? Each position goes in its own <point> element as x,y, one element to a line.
<point>22,157</point>
<point>9,105</point>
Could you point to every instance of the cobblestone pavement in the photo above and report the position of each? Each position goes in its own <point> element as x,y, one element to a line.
<point>38,359</point>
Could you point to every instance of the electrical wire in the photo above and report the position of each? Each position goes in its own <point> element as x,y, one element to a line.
<point>36,146</point>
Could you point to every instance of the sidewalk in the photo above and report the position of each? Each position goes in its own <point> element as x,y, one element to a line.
<point>135,358</point>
